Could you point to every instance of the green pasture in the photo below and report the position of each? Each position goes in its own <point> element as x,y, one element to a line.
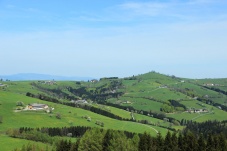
<point>136,86</point>
<point>220,81</point>
<point>183,115</point>
<point>8,143</point>
<point>138,117</point>
<point>119,112</point>
<point>163,94</point>
<point>142,104</point>
<point>20,87</point>
<point>193,104</point>
<point>156,76</point>
<point>197,90</point>
<point>213,114</point>
<point>151,120</point>
<point>139,92</point>
<point>217,114</point>
<point>69,116</point>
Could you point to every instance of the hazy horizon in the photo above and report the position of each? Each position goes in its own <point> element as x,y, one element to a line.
<point>114,38</point>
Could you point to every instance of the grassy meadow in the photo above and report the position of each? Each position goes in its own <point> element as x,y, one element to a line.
<point>8,143</point>
<point>69,116</point>
<point>146,92</point>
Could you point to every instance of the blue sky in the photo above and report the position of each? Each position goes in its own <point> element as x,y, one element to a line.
<point>100,38</point>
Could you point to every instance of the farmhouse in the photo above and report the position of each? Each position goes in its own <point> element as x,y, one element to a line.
<point>50,82</point>
<point>94,80</point>
<point>1,85</point>
<point>79,101</point>
<point>197,111</point>
<point>127,102</point>
<point>36,106</point>
<point>208,84</point>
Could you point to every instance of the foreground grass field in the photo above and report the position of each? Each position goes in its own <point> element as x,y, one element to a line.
<point>69,116</point>
<point>8,143</point>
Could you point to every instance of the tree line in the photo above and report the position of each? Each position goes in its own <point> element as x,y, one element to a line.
<point>216,89</point>
<point>102,140</point>
<point>210,102</point>
<point>83,106</point>
<point>158,115</point>
<point>96,139</point>
<point>207,128</point>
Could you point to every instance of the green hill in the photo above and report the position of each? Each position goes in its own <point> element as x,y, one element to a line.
<point>69,116</point>
<point>149,102</point>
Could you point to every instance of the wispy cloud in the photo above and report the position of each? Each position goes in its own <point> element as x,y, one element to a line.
<point>199,2</point>
<point>145,8</point>
<point>177,9</point>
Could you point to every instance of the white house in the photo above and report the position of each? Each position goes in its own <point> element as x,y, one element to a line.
<point>36,106</point>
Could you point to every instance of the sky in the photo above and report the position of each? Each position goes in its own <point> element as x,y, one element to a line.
<point>103,38</point>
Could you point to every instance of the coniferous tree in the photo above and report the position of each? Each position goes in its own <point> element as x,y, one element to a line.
<point>63,145</point>
<point>134,143</point>
<point>210,143</point>
<point>168,146</point>
<point>180,142</point>
<point>191,141</point>
<point>74,146</point>
<point>174,141</point>
<point>145,142</point>
<point>222,141</point>
<point>158,145</point>
<point>92,140</point>
<point>68,145</point>
<point>216,142</point>
<point>201,143</point>
<point>119,142</point>
<point>106,140</point>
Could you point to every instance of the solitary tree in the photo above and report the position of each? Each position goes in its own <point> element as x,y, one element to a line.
<point>1,119</point>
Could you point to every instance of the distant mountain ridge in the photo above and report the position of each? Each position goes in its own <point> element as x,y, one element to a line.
<point>35,76</point>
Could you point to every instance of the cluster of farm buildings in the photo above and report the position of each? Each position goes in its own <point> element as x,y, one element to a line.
<point>197,111</point>
<point>36,106</point>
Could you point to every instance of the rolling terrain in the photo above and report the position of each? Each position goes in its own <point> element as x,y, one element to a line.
<point>150,102</point>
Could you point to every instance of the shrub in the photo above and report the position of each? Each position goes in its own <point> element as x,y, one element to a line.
<point>58,116</point>
<point>20,103</point>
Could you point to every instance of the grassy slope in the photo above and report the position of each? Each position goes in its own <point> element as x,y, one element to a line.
<point>8,143</point>
<point>20,87</point>
<point>35,119</point>
<point>200,91</point>
<point>126,114</point>
<point>13,119</point>
<point>137,92</point>
<point>141,103</point>
<point>215,113</point>
<point>149,87</point>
